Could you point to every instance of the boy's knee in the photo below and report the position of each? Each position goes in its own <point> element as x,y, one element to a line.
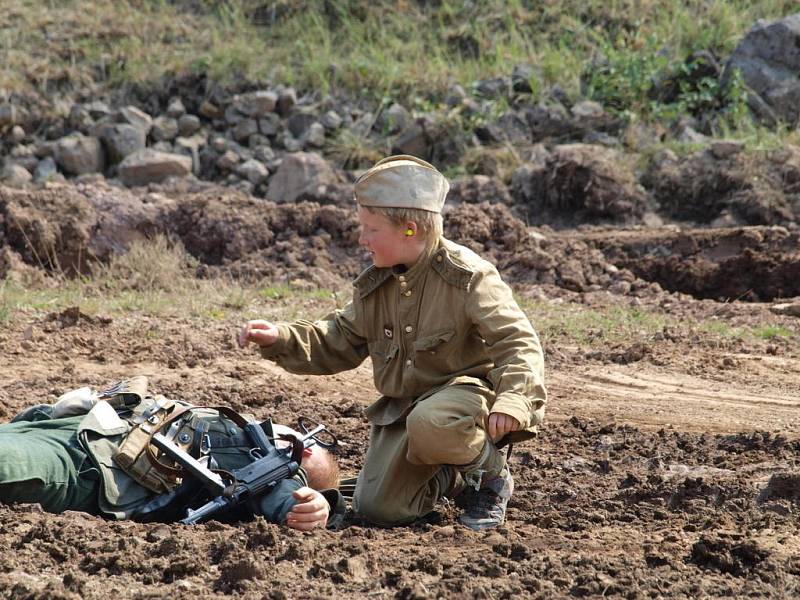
<point>377,510</point>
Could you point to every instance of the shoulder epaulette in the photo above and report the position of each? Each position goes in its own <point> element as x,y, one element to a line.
<point>452,270</point>
<point>370,279</point>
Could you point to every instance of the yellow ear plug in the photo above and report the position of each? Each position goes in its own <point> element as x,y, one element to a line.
<point>409,232</point>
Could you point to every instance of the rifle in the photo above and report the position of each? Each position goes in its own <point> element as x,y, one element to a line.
<point>273,465</point>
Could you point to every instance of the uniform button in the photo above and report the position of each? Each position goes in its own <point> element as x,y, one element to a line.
<point>409,329</point>
<point>407,294</point>
<point>403,284</point>
<point>408,362</point>
<point>439,258</point>
<point>402,278</point>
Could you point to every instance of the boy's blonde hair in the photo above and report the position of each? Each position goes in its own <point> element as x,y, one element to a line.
<point>429,224</point>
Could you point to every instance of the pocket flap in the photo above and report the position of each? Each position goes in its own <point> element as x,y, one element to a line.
<point>432,341</point>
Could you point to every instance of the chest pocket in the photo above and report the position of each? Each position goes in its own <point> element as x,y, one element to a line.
<point>383,351</point>
<point>435,343</point>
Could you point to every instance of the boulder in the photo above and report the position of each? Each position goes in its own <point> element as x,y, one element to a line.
<point>78,154</point>
<point>256,104</point>
<point>164,129</point>
<point>16,175</point>
<point>253,171</point>
<point>150,166</point>
<point>122,139</point>
<point>769,59</point>
<point>300,173</point>
<point>138,118</point>
<point>45,170</point>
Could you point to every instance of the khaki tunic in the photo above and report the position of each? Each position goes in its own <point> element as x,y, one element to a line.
<point>448,322</point>
<point>449,319</point>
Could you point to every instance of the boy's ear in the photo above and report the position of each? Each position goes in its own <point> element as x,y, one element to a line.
<point>306,452</point>
<point>411,229</point>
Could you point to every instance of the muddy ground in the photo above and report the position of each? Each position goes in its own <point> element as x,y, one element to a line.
<point>668,466</point>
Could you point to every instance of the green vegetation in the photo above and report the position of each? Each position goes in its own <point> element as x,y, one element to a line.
<point>581,325</point>
<point>381,49</point>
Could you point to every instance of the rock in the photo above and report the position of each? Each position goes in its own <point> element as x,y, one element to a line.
<point>176,109</point>
<point>209,110</point>
<point>164,129</point>
<point>97,109</point>
<point>496,87</point>
<point>256,104</point>
<point>547,121</point>
<point>299,173</point>
<point>122,139</point>
<point>16,175</point>
<point>244,129</point>
<point>79,118</point>
<point>456,96</point>
<point>150,166</point>
<point>299,123</point>
<point>78,154</point>
<point>8,114</point>
<point>228,161</point>
<point>330,120</point>
<point>45,170</point>
<point>510,127</point>
<point>791,309</point>
<point>269,125</point>
<point>264,153</point>
<point>394,119</point>
<point>17,134</point>
<point>723,149</point>
<point>252,170</point>
<point>769,60</point>
<point>287,100</point>
<point>588,110</point>
<point>138,118</point>
<point>522,76</point>
<point>689,136</point>
<point>315,136</point>
<point>188,125</point>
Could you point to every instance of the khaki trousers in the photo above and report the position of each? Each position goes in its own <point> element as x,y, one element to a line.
<point>410,464</point>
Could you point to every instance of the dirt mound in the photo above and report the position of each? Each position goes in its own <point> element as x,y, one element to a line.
<point>65,228</point>
<point>743,188</point>
<point>254,238</point>
<point>580,183</point>
<point>748,263</point>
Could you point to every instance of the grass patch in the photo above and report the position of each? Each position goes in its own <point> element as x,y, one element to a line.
<point>375,49</point>
<point>157,278</point>
<point>571,323</point>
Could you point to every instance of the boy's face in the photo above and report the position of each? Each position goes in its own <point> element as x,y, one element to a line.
<point>386,242</point>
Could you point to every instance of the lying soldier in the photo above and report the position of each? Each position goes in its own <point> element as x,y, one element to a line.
<point>94,452</point>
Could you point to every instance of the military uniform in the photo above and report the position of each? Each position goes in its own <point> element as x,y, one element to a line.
<point>449,345</point>
<point>72,462</point>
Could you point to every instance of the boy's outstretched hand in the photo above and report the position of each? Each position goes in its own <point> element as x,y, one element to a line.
<point>501,424</point>
<point>311,510</point>
<point>262,333</point>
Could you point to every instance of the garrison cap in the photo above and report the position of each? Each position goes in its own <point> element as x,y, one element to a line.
<point>402,181</point>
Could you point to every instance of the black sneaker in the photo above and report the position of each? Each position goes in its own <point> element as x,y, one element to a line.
<point>486,508</point>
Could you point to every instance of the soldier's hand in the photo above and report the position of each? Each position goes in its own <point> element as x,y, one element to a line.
<point>501,424</point>
<point>311,510</point>
<point>262,333</point>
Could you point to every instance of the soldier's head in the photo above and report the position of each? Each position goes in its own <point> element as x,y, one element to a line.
<point>321,467</point>
<point>400,201</point>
